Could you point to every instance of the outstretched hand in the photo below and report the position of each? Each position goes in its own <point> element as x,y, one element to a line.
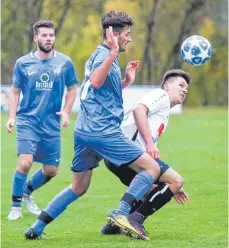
<point>181,196</point>
<point>131,71</point>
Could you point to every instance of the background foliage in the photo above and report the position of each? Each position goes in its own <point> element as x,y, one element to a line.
<point>160,27</point>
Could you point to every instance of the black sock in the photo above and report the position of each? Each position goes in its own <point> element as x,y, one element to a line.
<point>157,198</point>
<point>136,206</point>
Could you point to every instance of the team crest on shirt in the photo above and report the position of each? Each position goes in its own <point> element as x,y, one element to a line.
<point>56,70</point>
<point>44,83</point>
<point>44,77</point>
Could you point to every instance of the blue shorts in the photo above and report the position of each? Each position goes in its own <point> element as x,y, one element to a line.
<point>89,150</point>
<point>46,149</point>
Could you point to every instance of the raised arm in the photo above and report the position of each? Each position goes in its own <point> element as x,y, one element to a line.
<point>99,75</point>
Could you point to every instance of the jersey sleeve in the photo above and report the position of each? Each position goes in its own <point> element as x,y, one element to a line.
<point>155,101</point>
<point>98,60</point>
<point>17,76</point>
<point>71,76</point>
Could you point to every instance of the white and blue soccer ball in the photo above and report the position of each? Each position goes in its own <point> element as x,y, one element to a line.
<point>196,50</point>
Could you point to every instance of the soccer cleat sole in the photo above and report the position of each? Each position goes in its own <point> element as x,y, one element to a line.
<point>128,230</point>
<point>33,237</point>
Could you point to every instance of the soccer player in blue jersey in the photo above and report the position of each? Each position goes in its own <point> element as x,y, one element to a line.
<point>41,77</point>
<point>97,130</point>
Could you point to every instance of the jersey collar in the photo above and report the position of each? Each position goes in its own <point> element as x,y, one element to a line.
<point>32,54</point>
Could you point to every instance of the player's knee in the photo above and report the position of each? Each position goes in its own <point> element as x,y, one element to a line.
<point>24,165</point>
<point>178,182</point>
<point>79,188</point>
<point>50,171</point>
<point>154,171</point>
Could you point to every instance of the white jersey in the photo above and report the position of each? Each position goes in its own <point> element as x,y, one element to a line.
<point>158,103</point>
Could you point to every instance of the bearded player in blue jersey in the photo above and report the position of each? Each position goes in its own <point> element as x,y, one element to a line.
<point>98,134</point>
<point>41,77</point>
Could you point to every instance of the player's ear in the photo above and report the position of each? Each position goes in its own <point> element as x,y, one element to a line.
<point>35,38</point>
<point>166,86</point>
<point>116,34</point>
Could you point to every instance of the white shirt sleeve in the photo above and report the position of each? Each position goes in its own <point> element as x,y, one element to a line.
<point>157,100</point>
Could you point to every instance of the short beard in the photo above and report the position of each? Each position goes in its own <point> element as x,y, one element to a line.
<point>43,49</point>
<point>122,50</point>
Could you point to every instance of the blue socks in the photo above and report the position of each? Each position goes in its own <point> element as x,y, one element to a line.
<point>37,180</point>
<point>54,209</point>
<point>19,182</point>
<point>139,186</point>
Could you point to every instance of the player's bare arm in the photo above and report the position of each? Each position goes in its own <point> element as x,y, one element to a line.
<point>98,77</point>
<point>141,119</point>
<point>14,98</point>
<point>130,73</point>
<point>69,101</point>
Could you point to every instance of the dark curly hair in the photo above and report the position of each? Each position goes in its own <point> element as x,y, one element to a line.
<point>117,20</point>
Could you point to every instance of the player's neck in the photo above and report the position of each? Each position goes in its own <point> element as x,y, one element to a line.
<point>43,56</point>
<point>105,43</point>
<point>172,102</point>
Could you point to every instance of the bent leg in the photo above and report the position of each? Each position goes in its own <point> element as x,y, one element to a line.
<point>40,177</point>
<point>161,195</point>
<point>172,179</point>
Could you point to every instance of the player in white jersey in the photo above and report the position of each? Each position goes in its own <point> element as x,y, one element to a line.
<point>145,124</point>
<point>158,117</point>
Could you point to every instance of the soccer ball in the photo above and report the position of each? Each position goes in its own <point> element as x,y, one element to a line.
<point>196,50</point>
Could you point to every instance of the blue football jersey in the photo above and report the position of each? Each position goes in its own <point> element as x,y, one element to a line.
<point>42,83</point>
<point>101,110</point>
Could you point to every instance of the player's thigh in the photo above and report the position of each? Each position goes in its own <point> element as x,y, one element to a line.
<point>115,148</point>
<point>147,163</point>
<point>84,158</point>
<point>49,152</point>
<point>81,181</point>
<point>124,173</point>
<point>27,140</point>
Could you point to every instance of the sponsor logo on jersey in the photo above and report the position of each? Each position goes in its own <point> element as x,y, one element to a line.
<point>44,83</point>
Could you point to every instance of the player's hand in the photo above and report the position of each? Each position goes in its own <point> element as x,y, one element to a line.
<point>131,71</point>
<point>112,40</point>
<point>65,118</point>
<point>181,196</point>
<point>10,125</point>
<point>153,151</point>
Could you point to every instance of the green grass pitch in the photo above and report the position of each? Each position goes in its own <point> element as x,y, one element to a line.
<point>195,144</point>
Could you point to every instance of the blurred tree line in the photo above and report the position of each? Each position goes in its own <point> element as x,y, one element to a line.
<point>160,27</point>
